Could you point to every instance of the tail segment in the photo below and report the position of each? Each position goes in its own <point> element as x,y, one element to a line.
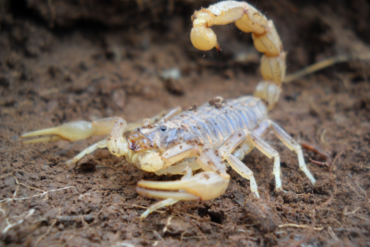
<point>265,38</point>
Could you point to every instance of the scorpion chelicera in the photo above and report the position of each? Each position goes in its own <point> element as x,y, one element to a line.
<point>206,138</point>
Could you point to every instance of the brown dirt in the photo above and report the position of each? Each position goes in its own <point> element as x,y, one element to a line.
<point>68,60</point>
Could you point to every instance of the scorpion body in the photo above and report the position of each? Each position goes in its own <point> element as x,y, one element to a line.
<point>218,133</point>
<point>211,124</point>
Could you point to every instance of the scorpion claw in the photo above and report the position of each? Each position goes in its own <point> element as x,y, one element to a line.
<point>202,186</point>
<point>180,195</point>
<point>72,131</point>
<point>50,138</point>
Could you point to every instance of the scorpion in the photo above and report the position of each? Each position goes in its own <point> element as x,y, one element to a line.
<point>207,138</point>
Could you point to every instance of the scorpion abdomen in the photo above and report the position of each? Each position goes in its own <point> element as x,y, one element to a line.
<point>212,124</point>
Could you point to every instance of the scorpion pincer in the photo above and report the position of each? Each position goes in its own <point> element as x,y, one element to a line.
<point>207,138</point>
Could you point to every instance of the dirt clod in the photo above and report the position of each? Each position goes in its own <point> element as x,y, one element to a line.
<point>261,215</point>
<point>217,102</point>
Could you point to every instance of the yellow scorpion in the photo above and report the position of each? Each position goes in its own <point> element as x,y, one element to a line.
<point>207,138</point>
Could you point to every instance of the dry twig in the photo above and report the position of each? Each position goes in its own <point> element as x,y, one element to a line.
<point>44,193</point>
<point>301,226</point>
<point>324,64</point>
<point>328,161</point>
<point>9,225</point>
<point>49,229</point>
<point>332,234</point>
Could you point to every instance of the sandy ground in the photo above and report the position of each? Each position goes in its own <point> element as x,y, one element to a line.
<point>60,68</point>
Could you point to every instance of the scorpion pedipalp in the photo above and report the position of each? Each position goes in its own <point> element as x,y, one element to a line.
<point>73,131</point>
<point>202,186</point>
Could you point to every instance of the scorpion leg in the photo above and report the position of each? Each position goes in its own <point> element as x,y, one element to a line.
<point>254,140</point>
<point>158,205</point>
<point>228,147</point>
<point>267,150</point>
<point>290,143</point>
<point>247,146</point>
<point>88,150</point>
<point>243,171</point>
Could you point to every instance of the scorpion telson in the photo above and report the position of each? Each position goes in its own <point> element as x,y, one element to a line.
<point>204,138</point>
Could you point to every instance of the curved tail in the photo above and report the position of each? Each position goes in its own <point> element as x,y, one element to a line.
<point>265,38</point>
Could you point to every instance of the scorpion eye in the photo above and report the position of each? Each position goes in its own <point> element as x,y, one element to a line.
<point>163,128</point>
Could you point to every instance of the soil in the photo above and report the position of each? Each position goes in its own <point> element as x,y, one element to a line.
<point>62,61</point>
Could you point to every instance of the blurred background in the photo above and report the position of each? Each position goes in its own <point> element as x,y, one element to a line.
<point>66,60</point>
<point>75,42</point>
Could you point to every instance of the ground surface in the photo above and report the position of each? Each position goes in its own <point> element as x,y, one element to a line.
<point>66,62</point>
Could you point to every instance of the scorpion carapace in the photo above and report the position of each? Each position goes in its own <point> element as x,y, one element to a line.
<point>206,138</point>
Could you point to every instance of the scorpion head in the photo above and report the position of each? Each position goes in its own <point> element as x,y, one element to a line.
<point>149,142</point>
<point>159,136</point>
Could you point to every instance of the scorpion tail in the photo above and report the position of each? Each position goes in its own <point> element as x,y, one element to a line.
<point>265,38</point>
<point>273,73</point>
